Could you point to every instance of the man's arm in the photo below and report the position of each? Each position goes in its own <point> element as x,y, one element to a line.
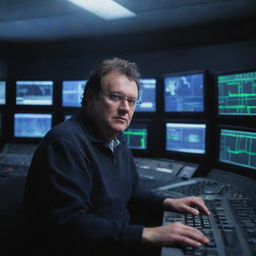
<point>59,191</point>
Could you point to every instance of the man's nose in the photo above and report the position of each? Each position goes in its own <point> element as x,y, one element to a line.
<point>124,105</point>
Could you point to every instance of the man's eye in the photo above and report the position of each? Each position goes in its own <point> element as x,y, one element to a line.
<point>131,101</point>
<point>115,97</point>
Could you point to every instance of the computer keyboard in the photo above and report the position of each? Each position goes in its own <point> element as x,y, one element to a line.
<point>14,164</point>
<point>19,148</point>
<point>15,159</point>
<point>231,229</point>
<point>206,188</point>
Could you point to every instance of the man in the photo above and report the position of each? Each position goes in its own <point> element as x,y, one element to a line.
<point>83,181</point>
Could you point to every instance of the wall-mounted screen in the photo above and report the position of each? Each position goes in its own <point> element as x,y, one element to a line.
<point>237,94</point>
<point>238,147</point>
<point>2,92</point>
<point>31,125</point>
<point>34,92</point>
<point>72,92</point>
<point>66,117</point>
<point>137,136</point>
<point>147,95</point>
<point>1,124</point>
<point>185,137</point>
<point>184,93</point>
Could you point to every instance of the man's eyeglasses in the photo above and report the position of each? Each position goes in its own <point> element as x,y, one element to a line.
<point>118,98</point>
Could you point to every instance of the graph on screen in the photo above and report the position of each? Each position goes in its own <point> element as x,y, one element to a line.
<point>238,148</point>
<point>237,94</point>
<point>147,95</point>
<point>2,92</point>
<point>31,125</point>
<point>34,92</point>
<point>185,137</point>
<point>184,93</point>
<point>72,92</point>
<point>137,136</point>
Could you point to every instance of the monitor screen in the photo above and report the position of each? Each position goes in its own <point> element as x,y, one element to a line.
<point>72,92</point>
<point>185,137</point>
<point>237,94</point>
<point>2,92</point>
<point>34,92</point>
<point>31,125</point>
<point>184,93</point>
<point>238,147</point>
<point>137,136</point>
<point>147,95</point>
<point>1,123</point>
<point>66,117</point>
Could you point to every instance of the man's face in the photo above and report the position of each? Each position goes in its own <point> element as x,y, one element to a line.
<point>112,115</point>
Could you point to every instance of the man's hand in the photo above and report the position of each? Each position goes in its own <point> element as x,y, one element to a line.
<point>186,205</point>
<point>174,233</point>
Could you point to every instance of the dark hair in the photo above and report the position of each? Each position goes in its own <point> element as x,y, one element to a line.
<point>125,67</point>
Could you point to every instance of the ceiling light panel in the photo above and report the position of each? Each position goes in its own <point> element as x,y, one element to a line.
<point>106,9</point>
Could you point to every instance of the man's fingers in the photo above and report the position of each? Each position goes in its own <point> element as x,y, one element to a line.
<point>191,236</point>
<point>199,204</point>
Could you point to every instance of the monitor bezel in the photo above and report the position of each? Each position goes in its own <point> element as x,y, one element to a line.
<point>34,105</point>
<point>245,118</point>
<point>236,169</point>
<point>205,93</point>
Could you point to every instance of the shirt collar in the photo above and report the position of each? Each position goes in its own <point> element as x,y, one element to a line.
<point>112,144</point>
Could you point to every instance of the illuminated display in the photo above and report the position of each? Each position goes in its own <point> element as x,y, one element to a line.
<point>238,148</point>
<point>72,92</point>
<point>31,125</point>
<point>237,94</point>
<point>185,137</point>
<point>137,136</point>
<point>147,96</point>
<point>184,93</point>
<point>66,117</point>
<point>34,92</point>
<point>2,92</point>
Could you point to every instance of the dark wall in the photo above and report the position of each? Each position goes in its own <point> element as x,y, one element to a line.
<point>3,62</point>
<point>56,63</point>
<point>213,46</point>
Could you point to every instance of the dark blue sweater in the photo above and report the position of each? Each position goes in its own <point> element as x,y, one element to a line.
<point>78,191</point>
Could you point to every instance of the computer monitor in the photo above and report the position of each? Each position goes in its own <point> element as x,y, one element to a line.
<point>137,135</point>
<point>237,147</point>
<point>2,92</point>
<point>72,92</point>
<point>34,92</point>
<point>66,117</point>
<point>147,95</point>
<point>184,92</point>
<point>31,125</point>
<point>237,94</point>
<point>185,137</point>
<point>1,124</point>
